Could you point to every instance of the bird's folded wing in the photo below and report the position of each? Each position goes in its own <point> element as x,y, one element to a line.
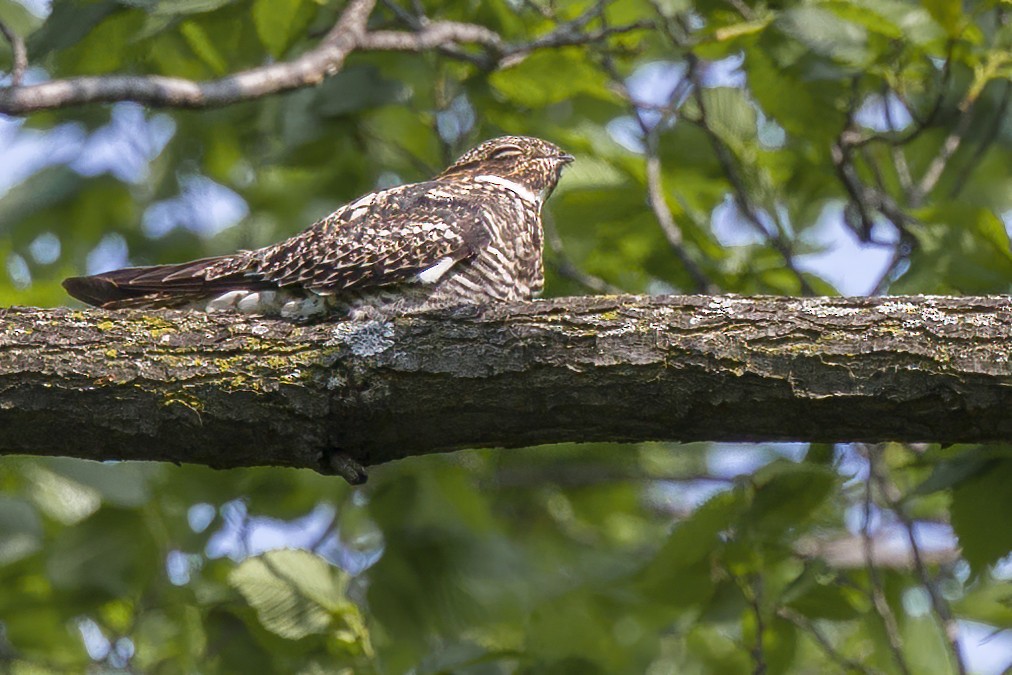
<point>408,233</point>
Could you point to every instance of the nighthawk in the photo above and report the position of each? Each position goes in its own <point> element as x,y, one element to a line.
<point>471,235</point>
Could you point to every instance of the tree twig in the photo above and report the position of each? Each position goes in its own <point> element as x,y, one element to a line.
<point>949,146</point>
<point>565,267</point>
<point>753,590</point>
<point>921,124</point>
<point>938,603</point>
<point>673,233</point>
<point>19,55</point>
<point>985,142</point>
<point>982,76</point>
<point>655,184</point>
<point>875,589</point>
<point>866,200</point>
<point>899,159</point>
<point>805,625</point>
<point>430,36</point>
<point>901,252</point>
<point>740,194</point>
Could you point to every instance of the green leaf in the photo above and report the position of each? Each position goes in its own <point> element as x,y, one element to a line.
<point>825,33</point>
<point>548,77</point>
<point>110,553</point>
<point>885,16</point>
<point>948,14</point>
<point>818,594</point>
<point>121,484</point>
<point>786,493</point>
<point>356,89</point>
<point>174,7</point>
<point>812,110</point>
<point>574,626</point>
<point>294,593</point>
<point>18,19</point>
<point>21,530</point>
<point>981,511</point>
<point>68,23</point>
<point>679,573</point>
<point>107,46</point>
<point>729,113</point>
<point>779,642</point>
<point>949,473</point>
<point>989,601</point>
<point>960,248</point>
<point>867,17</point>
<point>204,46</point>
<point>43,632</point>
<point>280,22</point>
<point>170,638</point>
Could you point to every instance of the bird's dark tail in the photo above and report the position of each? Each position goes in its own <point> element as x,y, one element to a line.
<point>163,285</point>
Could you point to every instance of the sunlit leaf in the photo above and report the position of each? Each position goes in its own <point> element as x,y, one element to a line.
<point>823,32</point>
<point>294,593</point>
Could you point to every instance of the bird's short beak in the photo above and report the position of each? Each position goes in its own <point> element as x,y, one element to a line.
<point>566,158</point>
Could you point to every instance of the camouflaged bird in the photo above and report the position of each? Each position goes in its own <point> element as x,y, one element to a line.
<point>471,235</point>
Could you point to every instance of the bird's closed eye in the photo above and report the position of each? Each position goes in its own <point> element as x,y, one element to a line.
<point>504,151</point>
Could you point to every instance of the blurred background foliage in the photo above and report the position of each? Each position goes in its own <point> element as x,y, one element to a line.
<point>802,146</point>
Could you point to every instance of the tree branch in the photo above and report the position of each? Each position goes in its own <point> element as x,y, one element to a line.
<point>430,36</point>
<point>876,589</point>
<point>226,390</point>
<point>348,35</point>
<point>310,68</point>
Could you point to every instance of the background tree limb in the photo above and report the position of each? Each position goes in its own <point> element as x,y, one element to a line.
<point>348,35</point>
<point>226,391</point>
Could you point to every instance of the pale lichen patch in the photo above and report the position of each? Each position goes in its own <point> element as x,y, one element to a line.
<point>894,307</point>
<point>826,310</point>
<point>365,338</point>
<point>980,320</point>
<point>932,314</point>
<point>625,328</point>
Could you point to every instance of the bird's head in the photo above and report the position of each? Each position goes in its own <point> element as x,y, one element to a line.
<point>530,162</point>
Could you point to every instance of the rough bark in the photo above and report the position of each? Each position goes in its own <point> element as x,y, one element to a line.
<point>226,390</point>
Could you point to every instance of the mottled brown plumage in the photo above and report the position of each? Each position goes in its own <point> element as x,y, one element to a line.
<point>472,234</point>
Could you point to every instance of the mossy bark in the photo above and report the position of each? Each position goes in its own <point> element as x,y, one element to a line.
<point>226,390</point>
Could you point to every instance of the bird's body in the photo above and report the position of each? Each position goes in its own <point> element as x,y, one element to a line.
<point>471,235</point>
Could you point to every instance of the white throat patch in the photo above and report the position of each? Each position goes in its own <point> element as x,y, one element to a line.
<point>513,187</point>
